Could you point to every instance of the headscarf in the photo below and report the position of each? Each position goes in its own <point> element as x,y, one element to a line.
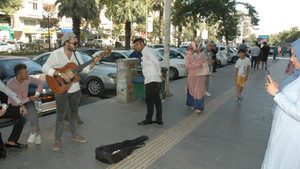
<point>192,51</point>
<point>296,48</point>
<point>208,54</point>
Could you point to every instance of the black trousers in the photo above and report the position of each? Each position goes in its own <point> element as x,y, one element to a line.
<point>153,98</point>
<point>19,122</point>
<point>1,142</point>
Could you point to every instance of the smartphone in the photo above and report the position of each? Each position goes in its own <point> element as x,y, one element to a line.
<point>268,77</point>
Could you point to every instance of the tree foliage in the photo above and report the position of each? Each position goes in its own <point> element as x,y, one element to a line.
<point>77,9</point>
<point>125,11</point>
<point>9,7</point>
<point>221,13</point>
<point>287,36</point>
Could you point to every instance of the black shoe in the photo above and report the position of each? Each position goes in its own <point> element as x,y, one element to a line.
<point>144,122</point>
<point>16,145</point>
<point>2,153</point>
<point>160,122</point>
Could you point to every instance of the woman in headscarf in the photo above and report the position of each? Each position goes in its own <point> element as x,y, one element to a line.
<point>208,54</point>
<point>195,84</point>
<point>284,143</point>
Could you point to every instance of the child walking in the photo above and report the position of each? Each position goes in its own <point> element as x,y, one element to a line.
<point>242,68</point>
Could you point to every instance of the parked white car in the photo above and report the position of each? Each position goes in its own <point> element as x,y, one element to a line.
<point>177,65</point>
<point>6,47</point>
<point>222,55</point>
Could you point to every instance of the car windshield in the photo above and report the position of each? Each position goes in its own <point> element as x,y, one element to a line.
<point>86,58</point>
<point>127,53</point>
<point>32,67</point>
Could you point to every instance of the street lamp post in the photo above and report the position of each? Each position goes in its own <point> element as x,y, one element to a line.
<point>49,32</point>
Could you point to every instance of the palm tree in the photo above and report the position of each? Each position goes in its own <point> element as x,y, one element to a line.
<point>125,11</point>
<point>78,9</point>
<point>159,5</point>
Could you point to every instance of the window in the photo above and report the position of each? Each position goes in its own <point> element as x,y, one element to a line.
<point>29,22</point>
<point>34,7</point>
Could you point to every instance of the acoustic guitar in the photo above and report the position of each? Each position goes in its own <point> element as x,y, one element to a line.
<point>58,85</point>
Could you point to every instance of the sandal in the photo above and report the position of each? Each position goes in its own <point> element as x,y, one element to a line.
<point>16,145</point>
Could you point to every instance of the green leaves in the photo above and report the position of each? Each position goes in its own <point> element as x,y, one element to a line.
<point>9,7</point>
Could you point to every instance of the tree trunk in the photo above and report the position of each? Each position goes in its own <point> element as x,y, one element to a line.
<point>195,34</point>
<point>76,27</point>
<point>179,35</point>
<point>127,34</point>
<point>161,14</point>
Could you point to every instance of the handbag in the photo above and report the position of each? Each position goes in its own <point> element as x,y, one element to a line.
<point>203,70</point>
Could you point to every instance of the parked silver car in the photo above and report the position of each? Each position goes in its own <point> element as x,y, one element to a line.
<point>102,77</point>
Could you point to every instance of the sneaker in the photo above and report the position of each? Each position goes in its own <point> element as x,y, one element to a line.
<point>31,138</point>
<point>38,139</point>
<point>239,99</point>
<point>80,139</point>
<point>198,111</point>
<point>56,146</point>
<point>207,94</point>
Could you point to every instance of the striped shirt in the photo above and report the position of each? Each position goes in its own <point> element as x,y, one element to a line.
<point>9,93</point>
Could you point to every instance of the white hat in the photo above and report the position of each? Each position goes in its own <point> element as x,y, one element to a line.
<point>67,36</point>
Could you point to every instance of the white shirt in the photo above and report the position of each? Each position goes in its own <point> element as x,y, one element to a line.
<point>255,51</point>
<point>58,59</point>
<point>151,66</point>
<point>242,66</point>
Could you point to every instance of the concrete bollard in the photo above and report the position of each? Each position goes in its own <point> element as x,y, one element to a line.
<point>126,72</point>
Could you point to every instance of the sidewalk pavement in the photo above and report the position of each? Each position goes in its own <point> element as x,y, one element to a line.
<point>227,135</point>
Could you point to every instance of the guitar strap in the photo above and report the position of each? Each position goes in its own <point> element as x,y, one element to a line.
<point>76,58</point>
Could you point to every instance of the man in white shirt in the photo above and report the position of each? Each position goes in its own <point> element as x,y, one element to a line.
<point>70,100</point>
<point>255,52</point>
<point>153,79</point>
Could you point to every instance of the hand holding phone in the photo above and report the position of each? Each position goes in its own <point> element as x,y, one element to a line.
<point>269,79</point>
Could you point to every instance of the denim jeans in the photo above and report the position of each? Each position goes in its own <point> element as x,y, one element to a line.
<point>66,102</point>
<point>32,116</point>
<point>253,61</point>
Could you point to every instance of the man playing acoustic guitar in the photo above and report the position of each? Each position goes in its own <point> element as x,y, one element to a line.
<point>68,101</point>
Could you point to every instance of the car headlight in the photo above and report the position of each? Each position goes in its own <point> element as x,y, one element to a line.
<point>45,91</point>
<point>112,75</point>
<point>181,65</point>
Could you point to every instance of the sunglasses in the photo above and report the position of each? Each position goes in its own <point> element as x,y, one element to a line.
<point>74,43</point>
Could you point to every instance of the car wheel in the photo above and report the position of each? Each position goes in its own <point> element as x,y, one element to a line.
<point>95,87</point>
<point>9,50</point>
<point>234,59</point>
<point>173,73</point>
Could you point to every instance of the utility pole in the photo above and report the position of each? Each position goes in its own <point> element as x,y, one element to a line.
<point>167,43</point>
<point>49,32</point>
<point>146,20</point>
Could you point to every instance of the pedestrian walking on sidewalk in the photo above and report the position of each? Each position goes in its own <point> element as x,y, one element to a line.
<point>19,84</point>
<point>284,141</point>
<point>214,51</point>
<point>208,54</point>
<point>69,101</point>
<point>153,79</point>
<point>275,52</point>
<point>242,68</point>
<point>264,55</point>
<point>195,88</point>
<point>255,52</point>
<point>17,113</point>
